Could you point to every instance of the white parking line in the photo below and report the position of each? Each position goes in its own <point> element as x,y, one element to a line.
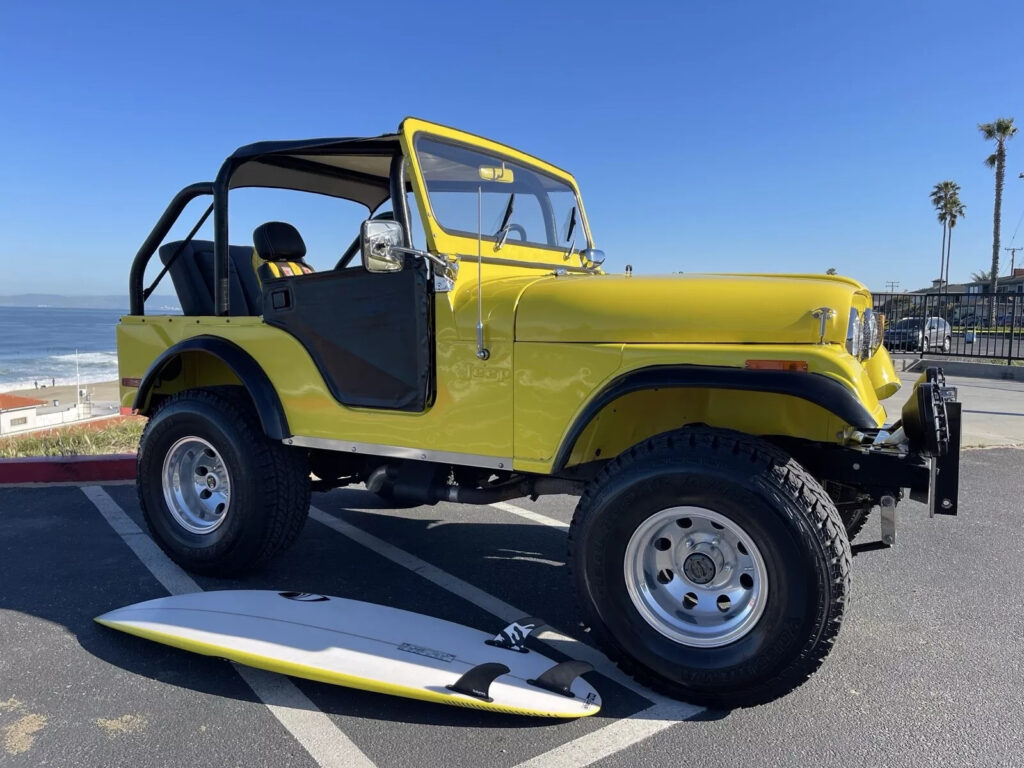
<point>528,514</point>
<point>314,730</point>
<point>612,738</point>
<point>583,751</point>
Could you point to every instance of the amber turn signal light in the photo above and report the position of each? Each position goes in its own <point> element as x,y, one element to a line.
<point>797,366</point>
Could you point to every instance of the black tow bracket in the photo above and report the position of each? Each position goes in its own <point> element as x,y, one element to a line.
<point>945,481</point>
<point>932,423</point>
<point>925,416</point>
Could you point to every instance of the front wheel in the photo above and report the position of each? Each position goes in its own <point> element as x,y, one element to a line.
<point>218,495</point>
<point>947,343</point>
<point>711,566</point>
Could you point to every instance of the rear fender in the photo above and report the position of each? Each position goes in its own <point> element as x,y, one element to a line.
<point>211,361</point>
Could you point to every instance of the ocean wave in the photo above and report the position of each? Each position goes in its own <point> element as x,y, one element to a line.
<point>25,371</point>
<point>87,358</point>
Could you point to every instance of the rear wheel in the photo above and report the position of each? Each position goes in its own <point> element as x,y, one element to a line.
<point>924,345</point>
<point>947,343</point>
<point>218,496</point>
<point>711,566</point>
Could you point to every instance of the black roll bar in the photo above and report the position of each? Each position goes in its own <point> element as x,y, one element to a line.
<point>137,277</point>
<point>221,279</point>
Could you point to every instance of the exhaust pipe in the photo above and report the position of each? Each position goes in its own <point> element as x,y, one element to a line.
<point>531,486</point>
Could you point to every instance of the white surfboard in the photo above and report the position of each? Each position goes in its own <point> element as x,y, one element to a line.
<point>367,646</point>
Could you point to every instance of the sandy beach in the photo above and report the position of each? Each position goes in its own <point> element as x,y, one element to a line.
<point>101,391</point>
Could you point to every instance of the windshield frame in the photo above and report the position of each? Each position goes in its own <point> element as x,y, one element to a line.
<point>569,183</point>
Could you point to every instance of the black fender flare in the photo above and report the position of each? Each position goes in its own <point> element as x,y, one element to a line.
<point>815,388</point>
<point>253,378</point>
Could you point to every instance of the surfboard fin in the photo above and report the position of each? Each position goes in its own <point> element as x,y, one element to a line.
<point>559,678</point>
<point>513,637</point>
<point>477,681</point>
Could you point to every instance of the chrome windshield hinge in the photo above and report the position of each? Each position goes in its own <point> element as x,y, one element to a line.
<point>823,314</point>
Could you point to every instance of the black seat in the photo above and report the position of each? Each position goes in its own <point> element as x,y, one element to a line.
<point>280,246</point>
<point>192,274</point>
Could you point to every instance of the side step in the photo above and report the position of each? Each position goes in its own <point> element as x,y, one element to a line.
<point>477,681</point>
<point>559,678</point>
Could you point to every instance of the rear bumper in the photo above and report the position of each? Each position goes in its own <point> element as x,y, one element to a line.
<point>921,452</point>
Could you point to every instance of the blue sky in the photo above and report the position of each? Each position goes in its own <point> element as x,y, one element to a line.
<point>706,136</point>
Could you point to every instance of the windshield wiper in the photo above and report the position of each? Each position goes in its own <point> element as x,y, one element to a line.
<point>568,233</point>
<point>503,230</point>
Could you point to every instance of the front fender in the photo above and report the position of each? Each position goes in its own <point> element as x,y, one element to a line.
<point>817,389</point>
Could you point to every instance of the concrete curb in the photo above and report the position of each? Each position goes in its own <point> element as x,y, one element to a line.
<point>971,370</point>
<point>68,469</point>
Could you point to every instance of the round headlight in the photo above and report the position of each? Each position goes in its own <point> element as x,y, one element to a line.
<point>855,334</point>
<point>873,330</point>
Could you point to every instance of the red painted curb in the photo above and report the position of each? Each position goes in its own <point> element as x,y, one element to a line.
<point>68,469</point>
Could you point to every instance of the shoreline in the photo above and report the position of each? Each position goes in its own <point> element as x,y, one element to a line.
<point>101,391</point>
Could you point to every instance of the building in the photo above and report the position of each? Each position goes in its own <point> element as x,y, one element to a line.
<point>18,413</point>
<point>966,304</point>
<point>1012,283</point>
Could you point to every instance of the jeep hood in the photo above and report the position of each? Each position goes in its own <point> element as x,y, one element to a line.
<point>728,309</point>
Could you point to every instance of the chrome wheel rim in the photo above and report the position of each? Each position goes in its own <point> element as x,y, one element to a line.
<point>696,576</point>
<point>196,485</point>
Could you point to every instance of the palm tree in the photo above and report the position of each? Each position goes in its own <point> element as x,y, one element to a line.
<point>999,131</point>
<point>945,197</point>
<point>981,276</point>
<point>955,210</point>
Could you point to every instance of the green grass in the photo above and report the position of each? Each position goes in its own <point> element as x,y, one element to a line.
<point>116,436</point>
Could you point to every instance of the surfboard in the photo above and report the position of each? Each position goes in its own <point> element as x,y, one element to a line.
<point>367,646</point>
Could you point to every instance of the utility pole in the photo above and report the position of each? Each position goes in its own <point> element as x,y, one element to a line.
<point>892,285</point>
<point>1013,257</point>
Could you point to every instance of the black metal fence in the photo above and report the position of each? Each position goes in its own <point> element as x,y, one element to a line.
<point>954,324</point>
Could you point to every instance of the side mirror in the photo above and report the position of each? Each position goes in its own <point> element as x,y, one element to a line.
<point>377,240</point>
<point>592,257</point>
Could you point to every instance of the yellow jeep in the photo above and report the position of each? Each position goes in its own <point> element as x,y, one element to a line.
<point>724,432</point>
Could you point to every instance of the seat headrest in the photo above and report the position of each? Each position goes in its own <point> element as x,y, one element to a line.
<point>278,241</point>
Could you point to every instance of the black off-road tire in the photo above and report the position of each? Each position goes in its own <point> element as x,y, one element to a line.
<point>854,519</point>
<point>270,484</point>
<point>854,509</point>
<point>786,513</point>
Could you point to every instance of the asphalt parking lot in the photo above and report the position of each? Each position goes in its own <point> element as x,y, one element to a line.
<point>927,670</point>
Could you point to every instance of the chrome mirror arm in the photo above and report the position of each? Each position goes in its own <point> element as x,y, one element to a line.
<point>438,260</point>
<point>447,268</point>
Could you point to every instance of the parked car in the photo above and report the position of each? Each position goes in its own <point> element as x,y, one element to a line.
<point>724,432</point>
<point>974,320</point>
<point>919,334</point>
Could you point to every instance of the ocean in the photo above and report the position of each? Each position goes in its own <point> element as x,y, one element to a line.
<point>39,344</point>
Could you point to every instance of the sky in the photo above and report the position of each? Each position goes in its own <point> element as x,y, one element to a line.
<point>706,135</point>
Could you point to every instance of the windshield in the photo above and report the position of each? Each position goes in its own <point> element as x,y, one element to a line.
<point>908,324</point>
<point>520,204</point>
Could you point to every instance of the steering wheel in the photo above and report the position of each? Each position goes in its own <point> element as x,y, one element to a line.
<point>353,250</point>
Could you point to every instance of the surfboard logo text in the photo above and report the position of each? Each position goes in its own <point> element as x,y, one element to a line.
<point>430,653</point>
